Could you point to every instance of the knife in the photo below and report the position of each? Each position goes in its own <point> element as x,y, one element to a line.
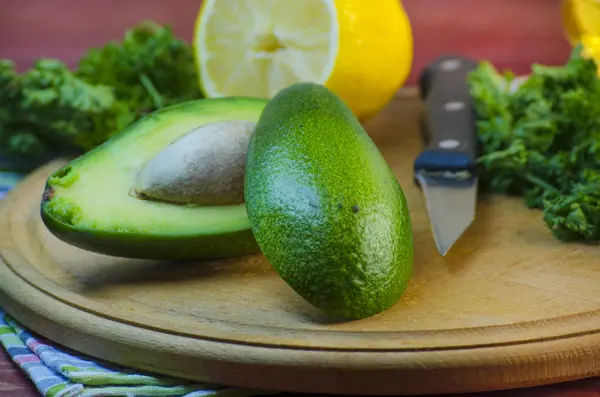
<point>446,169</point>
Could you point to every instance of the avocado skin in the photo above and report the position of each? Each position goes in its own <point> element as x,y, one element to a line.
<point>158,247</point>
<point>170,245</point>
<point>325,207</point>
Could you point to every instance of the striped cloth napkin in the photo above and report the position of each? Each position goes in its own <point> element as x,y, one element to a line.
<point>58,373</point>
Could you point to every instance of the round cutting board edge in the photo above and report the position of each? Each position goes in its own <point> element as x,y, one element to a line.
<point>568,350</point>
<point>289,369</point>
<point>298,370</point>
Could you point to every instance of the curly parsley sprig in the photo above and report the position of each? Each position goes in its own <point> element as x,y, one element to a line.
<point>50,110</point>
<point>541,141</point>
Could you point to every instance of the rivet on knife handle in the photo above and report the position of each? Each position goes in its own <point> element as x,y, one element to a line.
<point>446,168</point>
<point>451,140</point>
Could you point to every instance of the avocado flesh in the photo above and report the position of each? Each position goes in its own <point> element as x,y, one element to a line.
<point>325,207</point>
<point>88,203</point>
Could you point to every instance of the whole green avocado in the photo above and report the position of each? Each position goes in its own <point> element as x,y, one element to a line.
<point>324,206</point>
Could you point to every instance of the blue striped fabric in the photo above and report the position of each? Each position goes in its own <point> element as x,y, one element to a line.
<point>58,374</point>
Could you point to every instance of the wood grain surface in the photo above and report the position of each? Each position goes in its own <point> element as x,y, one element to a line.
<point>510,33</point>
<point>509,306</point>
<point>13,382</point>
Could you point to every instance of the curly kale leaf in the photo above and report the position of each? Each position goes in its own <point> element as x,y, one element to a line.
<point>150,68</point>
<point>49,110</point>
<point>541,140</point>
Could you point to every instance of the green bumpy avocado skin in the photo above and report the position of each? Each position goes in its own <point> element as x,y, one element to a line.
<point>325,208</point>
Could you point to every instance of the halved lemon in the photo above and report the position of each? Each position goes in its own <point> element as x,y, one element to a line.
<point>361,50</point>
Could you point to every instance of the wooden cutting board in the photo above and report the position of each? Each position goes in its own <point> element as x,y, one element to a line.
<point>509,306</point>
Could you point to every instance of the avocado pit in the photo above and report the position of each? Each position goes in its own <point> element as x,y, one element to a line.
<point>203,167</point>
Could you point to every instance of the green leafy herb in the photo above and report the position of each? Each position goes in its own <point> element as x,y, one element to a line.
<point>50,110</point>
<point>149,69</point>
<point>541,140</point>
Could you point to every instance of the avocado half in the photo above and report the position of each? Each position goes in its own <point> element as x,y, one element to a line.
<point>88,204</point>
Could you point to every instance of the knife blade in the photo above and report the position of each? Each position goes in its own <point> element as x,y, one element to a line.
<point>446,169</point>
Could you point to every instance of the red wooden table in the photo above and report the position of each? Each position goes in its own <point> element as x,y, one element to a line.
<point>510,33</point>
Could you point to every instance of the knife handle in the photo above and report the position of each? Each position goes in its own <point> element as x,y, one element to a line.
<point>449,128</point>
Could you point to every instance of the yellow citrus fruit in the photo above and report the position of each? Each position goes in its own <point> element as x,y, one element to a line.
<point>581,19</point>
<point>361,50</point>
